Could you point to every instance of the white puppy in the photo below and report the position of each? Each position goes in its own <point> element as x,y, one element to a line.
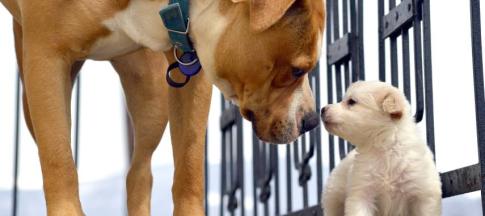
<point>391,171</point>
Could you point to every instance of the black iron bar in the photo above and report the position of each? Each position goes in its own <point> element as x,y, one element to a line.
<point>288,179</point>
<point>16,147</point>
<point>256,173</point>
<point>382,44</point>
<point>331,155</point>
<point>428,76</point>
<point>479,88</point>
<point>264,183</point>
<point>331,147</point>
<point>296,154</point>
<point>274,158</point>
<point>231,170</point>
<point>418,65</point>
<point>394,63</point>
<point>345,7</point>
<point>240,161</point>
<point>360,33</point>
<point>406,64</point>
<point>335,12</point>
<point>356,46</point>
<point>302,170</point>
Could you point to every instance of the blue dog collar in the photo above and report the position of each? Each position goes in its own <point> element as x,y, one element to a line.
<point>175,17</point>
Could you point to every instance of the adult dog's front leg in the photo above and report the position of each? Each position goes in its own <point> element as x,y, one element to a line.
<point>48,88</point>
<point>146,96</point>
<point>188,112</point>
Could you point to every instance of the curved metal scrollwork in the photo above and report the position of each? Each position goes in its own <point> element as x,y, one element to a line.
<point>232,164</point>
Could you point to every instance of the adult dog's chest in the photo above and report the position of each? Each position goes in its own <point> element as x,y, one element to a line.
<point>134,27</point>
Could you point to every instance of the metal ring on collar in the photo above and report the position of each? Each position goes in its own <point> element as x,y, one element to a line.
<point>180,61</point>
<point>172,82</point>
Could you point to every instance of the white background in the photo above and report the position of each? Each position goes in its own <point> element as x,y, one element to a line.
<point>103,159</point>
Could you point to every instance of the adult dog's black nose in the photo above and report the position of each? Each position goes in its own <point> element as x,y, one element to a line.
<point>309,121</point>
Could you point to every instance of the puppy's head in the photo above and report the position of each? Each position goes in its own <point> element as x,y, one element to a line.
<point>261,61</point>
<point>367,110</point>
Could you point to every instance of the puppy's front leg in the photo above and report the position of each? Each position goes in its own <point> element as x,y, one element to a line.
<point>359,203</point>
<point>426,206</point>
<point>188,112</point>
<point>333,203</point>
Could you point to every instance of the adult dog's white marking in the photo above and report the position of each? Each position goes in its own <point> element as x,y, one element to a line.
<point>295,104</point>
<point>208,24</point>
<point>137,25</point>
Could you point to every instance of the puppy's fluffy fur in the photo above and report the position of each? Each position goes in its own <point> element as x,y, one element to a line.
<point>391,171</point>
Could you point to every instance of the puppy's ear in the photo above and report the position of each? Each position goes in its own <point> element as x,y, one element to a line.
<point>265,13</point>
<point>394,104</point>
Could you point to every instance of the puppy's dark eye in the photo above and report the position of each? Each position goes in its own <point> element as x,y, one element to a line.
<point>351,102</point>
<point>298,72</point>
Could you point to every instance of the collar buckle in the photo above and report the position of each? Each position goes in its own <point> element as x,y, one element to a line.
<point>186,32</point>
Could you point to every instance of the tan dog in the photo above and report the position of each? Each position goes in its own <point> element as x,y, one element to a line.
<point>257,52</point>
<point>391,172</point>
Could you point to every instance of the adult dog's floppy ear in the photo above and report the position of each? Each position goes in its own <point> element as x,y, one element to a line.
<point>265,13</point>
<point>394,104</point>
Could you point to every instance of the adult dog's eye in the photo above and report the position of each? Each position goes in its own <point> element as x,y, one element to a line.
<point>298,72</point>
<point>351,102</point>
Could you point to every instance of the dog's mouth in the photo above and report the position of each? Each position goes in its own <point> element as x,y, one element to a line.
<point>284,136</point>
<point>276,132</point>
<point>329,125</point>
<point>327,120</point>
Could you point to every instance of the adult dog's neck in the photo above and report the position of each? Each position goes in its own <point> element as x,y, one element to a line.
<point>208,24</point>
<point>139,25</point>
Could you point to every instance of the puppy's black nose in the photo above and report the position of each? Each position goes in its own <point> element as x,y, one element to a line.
<point>309,121</point>
<point>322,112</point>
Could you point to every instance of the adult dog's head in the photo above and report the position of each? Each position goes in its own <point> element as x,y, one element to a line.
<point>258,53</point>
<point>369,109</point>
